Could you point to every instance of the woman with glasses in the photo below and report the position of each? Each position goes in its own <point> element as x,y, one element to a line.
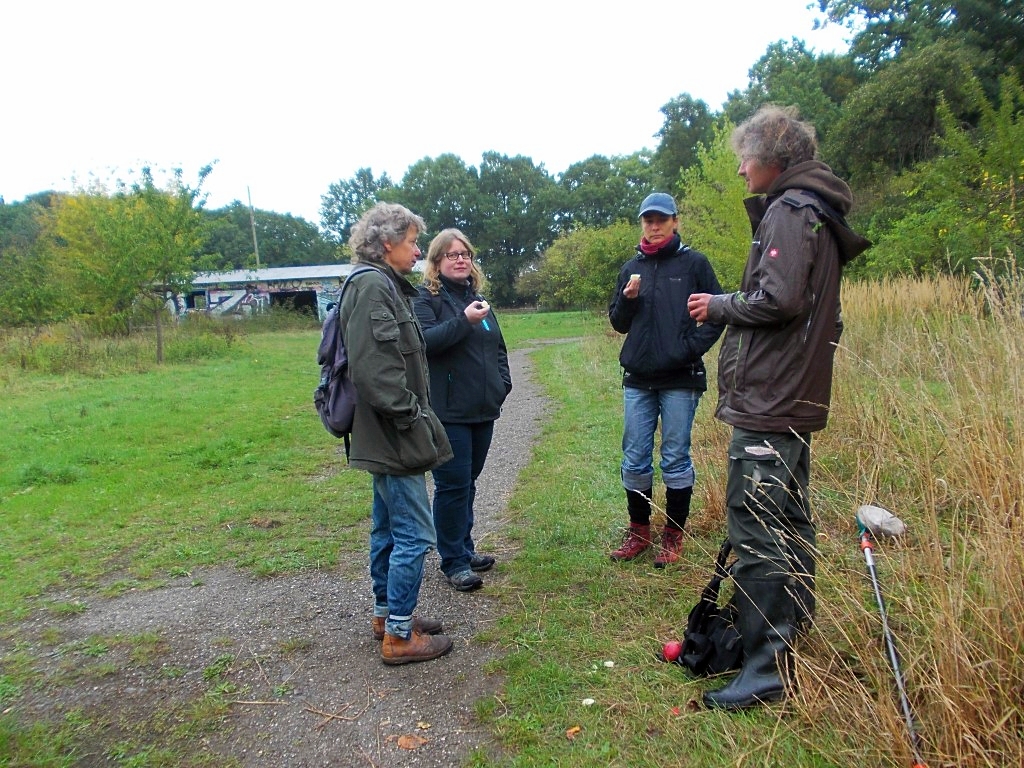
<point>469,381</point>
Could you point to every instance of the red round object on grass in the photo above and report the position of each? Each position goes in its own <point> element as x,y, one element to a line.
<point>671,650</point>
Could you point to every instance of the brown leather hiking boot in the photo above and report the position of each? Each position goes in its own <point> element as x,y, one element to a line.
<point>671,544</point>
<point>419,647</point>
<point>638,541</point>
<point>420,624</point>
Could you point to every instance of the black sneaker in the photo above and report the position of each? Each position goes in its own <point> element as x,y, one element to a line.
<point>481,563</point>
<point>465,581</point>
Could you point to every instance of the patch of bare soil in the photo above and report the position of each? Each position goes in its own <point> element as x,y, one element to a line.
<point>294,655</point>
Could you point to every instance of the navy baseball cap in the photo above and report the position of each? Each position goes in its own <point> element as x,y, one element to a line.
<point>659,202</point>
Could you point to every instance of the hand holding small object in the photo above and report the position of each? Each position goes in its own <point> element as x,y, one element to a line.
<point>632,289</point>
<point>476,311</point>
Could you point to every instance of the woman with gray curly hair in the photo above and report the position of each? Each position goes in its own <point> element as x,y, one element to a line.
<point>380,228</point>
<point>396,436</point>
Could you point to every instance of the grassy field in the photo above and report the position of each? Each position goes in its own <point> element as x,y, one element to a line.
<point>120,474</point>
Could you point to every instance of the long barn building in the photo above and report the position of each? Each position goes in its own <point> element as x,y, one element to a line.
<point>249,291</point>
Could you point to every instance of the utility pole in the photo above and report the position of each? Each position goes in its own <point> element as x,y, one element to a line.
<point>252,222</point>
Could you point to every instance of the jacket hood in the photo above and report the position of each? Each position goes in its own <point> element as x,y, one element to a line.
<point>816,177</point>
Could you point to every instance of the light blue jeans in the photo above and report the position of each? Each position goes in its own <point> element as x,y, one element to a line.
<point>402,534</point>
<point>642,408</point>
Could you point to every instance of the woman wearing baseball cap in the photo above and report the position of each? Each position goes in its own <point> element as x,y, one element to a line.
<point>663,373</point>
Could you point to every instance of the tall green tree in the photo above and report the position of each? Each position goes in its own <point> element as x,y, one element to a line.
<point>290,241</point>
<point>789,74</point>
<point>131,251</point>
<point>688,124</point>
<point>712,218</point>
<point>890,122</point>
<point>599,191</point>
<point>444,191</point>
<point>347,200</point>
<point>965,203</point>
<point>29,294</point>
<point>516,215</point>
<point>995,26</point>
<point>886,29</point>
<point>229,238</point>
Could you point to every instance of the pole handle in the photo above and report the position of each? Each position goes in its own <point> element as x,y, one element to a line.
<point>865,541</point>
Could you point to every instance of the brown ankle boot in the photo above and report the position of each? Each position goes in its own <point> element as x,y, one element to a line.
<point>420,624</point>
<point>419,647</point>
<point>671,544</point>
<point>638,541</point>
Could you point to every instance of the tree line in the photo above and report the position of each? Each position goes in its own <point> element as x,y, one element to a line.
<point>922,116</point>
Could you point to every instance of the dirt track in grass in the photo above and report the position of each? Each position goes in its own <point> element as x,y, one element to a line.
<point>294,654</point>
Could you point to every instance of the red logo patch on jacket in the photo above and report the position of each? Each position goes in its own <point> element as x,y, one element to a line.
<point>773,253</point>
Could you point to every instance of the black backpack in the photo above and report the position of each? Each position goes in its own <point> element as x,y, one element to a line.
<point>712,643</point>
<point>335,396</point>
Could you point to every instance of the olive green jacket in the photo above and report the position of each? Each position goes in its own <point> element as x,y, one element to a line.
<point>395,431</point>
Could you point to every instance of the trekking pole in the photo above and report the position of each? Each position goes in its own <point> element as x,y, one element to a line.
<point>874,520</point>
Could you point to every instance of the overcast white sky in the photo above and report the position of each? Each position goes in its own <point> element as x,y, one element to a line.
<point>291,96</point>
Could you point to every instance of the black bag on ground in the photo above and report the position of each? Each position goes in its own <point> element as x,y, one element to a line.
<point>712,642</point>
<point>335,396</point>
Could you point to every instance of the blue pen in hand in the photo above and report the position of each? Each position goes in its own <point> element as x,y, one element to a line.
<point>481,304</point>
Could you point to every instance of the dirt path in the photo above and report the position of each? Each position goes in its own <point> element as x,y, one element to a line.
<point>316,693</point>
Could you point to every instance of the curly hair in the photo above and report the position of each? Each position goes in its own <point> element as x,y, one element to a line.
<point>384,223</point>
<point>438,248</point>
<point>775,136</point>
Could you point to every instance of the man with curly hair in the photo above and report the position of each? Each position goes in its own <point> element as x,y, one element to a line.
<point>774,385</point>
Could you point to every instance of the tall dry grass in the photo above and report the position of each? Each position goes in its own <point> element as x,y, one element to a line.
<point>927,420</point>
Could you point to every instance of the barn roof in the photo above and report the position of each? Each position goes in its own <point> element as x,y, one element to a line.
<point>277,274</point>
<point>272,274</point>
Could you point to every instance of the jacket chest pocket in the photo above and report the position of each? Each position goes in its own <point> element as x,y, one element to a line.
<point>402,328</point>
<point>410,338</point>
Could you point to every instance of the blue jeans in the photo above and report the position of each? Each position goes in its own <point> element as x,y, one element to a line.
<point>642,407</point>
<point>455,491</point>
<point>402,534</point>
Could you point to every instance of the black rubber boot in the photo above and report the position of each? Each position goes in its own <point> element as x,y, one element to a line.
<point>677,506</point>
<point>803,591</point>
<point>766,625</point>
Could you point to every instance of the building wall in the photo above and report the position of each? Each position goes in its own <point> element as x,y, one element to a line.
<point>255,298</point>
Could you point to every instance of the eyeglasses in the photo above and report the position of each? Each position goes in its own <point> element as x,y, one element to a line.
<point>456,255</point>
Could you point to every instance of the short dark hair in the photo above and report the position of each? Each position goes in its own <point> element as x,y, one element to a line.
<point>775,136</point>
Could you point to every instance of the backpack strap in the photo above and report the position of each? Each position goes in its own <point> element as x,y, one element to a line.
<point>709,594</point>
<point>358,270</point>
<point>723,554</point>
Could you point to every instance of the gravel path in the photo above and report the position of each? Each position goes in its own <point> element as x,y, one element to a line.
<point>315,691</point>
